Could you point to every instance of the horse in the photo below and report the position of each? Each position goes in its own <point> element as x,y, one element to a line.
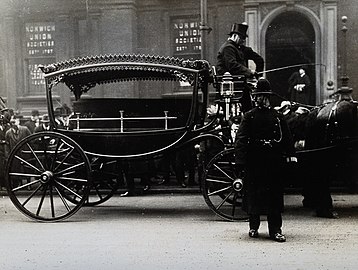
<point>326,139</point>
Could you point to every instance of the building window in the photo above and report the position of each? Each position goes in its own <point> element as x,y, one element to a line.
<point>39,50</point>
<point>186,37</point>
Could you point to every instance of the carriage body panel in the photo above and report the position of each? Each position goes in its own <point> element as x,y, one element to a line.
<point>127,127</point>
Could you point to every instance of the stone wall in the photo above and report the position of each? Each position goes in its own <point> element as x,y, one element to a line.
<point>141,26</point>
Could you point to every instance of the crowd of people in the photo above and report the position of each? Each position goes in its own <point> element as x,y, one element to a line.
<point>14,127</point>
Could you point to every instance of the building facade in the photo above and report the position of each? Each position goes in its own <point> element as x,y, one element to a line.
<point>285,33</point>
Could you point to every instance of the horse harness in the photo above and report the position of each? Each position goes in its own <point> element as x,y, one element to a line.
<point>332,131</point>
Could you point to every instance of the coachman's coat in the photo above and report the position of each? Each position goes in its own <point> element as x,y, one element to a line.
<point>234,59</point>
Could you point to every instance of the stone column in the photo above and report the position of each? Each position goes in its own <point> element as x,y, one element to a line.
<point>93,39</point>
<point>65,49</point>
<point>329,47</point>
<point>119,35</point>
<point>119,27</point>
<point>10,62</point>
<point>251,18</point>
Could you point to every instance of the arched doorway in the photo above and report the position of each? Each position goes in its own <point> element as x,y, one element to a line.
<point>290,40</point>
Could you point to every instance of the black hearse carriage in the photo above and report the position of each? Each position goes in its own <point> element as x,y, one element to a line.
<point>51,174</point>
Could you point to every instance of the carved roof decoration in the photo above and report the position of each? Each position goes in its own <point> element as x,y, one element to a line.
<point>113,58</point>
<point>81,74</point>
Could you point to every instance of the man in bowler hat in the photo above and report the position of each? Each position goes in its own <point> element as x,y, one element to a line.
<point>262,147</point>
<point>45,124</point>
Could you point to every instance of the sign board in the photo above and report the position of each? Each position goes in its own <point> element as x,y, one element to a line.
<point>39,46</point>
<point>186,37</point>
<point>39,39</point>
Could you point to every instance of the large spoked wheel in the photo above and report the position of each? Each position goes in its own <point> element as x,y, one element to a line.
<point>106,179</point>
<point>43,171</point>
<point>222,187</point>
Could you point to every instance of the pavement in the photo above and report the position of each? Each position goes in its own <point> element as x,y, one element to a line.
<point>177,232</point>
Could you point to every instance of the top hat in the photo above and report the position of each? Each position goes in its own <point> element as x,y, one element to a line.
<point>263,87</point>
<point>239,28</point>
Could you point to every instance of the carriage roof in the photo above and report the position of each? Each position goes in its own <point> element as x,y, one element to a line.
<point>81,74</point>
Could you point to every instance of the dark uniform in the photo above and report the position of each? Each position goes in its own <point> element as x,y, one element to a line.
<point>263,142</point>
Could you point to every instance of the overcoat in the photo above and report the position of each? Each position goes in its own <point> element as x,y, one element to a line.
<point>234,59</point>
<point>263,142</point>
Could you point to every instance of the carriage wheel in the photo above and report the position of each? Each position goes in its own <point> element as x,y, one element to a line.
<point>106,181</point>
<point>222,188</point>
<point>43,171</point>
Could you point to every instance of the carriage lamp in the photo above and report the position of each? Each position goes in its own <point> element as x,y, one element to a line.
<point>227,92</point>
<point>227,85</point>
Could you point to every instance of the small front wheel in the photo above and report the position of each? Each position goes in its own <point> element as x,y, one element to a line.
<point>222,187</point>
<point>43,171</point>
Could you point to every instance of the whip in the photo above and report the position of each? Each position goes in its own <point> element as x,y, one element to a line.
<point>287,67</point>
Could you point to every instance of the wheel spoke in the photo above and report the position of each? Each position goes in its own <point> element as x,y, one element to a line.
<point>219,191</point>
<point>44,148</point>
<point>70,168</point>
<point>41,201</point>
<point>25,185</point>
<point>55,154</point>
<point>224,200</point>
<point>25,174</point>
<point>228,176</point>
<point>64,159</point>
<point>68,189</point>
<point>234,204</point>
<point>36,157</point>
<point>51,202</point>
<point>98,193</point>
<point>31,195</point>
<point>72,179</point>
<point>27,163</point>
<point>217,181</point>
<point>62,199</point>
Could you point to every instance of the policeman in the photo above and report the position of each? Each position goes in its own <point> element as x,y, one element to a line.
<point>263,144</point>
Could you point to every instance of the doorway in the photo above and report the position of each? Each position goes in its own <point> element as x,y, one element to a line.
<point>290,40</point>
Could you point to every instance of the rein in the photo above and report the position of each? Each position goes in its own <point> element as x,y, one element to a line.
<point>351,140</point>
